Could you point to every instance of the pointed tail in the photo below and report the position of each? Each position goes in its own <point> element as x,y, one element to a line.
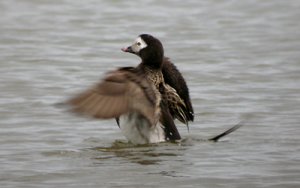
<point>216,138</point>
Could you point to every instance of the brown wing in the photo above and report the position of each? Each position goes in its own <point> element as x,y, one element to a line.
<point>176,104</point>
<point>119,93</point>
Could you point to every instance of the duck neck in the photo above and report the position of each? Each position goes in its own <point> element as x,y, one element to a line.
<point>152,58</point>
<point>153,62</point>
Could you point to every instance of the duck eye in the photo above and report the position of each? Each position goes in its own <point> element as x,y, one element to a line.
<point>138,43</point>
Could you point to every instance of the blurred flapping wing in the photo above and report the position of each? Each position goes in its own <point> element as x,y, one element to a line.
<point>120,92</point>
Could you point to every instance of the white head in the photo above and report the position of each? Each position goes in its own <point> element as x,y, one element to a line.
<point>149,49</point>
<point>136,47</point>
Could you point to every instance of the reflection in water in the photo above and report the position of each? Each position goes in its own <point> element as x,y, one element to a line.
<point>148,154</point>
<point>171,173</point>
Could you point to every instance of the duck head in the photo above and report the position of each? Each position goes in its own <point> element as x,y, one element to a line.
<point>149,49</point>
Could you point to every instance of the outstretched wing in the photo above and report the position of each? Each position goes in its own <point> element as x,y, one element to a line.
<point>120,92</point>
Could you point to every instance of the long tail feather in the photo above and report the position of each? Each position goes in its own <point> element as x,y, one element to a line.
<point>216,138</point>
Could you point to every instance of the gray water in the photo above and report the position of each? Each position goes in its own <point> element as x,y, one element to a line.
<point>241,60</point>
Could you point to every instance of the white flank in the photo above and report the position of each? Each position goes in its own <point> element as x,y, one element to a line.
<point>138,131</point>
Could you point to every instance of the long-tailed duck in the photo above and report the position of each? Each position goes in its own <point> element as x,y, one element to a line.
<point>145,99</point>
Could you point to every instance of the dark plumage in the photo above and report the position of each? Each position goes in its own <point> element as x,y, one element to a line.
<point>145,99</point>
<point>174,78</point>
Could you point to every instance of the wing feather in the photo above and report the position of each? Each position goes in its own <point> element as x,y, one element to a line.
<point>174,78</point>
<point>118,93</point>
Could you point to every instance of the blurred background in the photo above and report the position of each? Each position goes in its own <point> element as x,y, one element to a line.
<point>240,60</point>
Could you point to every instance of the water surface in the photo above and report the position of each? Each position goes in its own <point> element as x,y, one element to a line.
<point>240,60</point>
